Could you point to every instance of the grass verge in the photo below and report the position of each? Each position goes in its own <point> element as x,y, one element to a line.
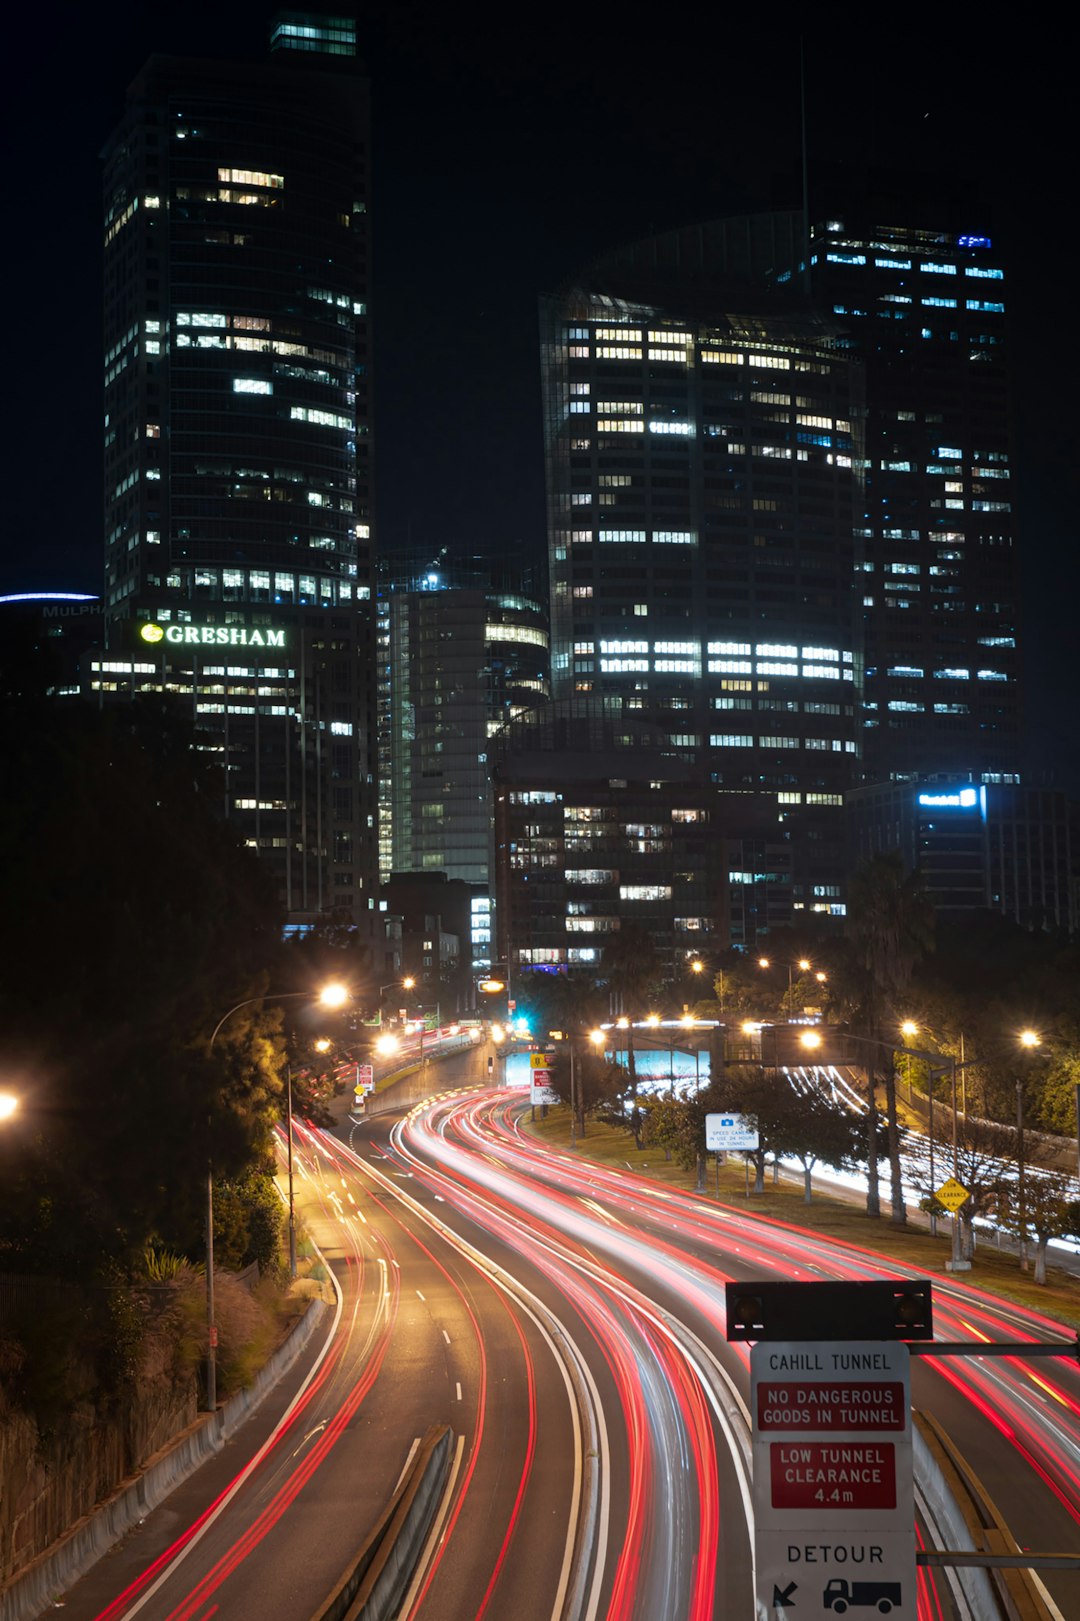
<point>827,1216</point>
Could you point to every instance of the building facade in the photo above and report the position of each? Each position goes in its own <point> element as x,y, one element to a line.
<point>601,825</point>
<point>463,650</point>
<point>979,847</point>
<point>780,521</point>
<point>703,489</point>
<point>238,494</point>
<point>925,313</point>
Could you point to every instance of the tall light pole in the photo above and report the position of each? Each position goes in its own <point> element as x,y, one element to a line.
<point>331,996</point>
<point>1028,1039</point>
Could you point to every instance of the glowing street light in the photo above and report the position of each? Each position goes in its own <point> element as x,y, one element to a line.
<point>9,1105</point>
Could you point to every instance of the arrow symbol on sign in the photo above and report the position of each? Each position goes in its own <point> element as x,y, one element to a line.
<point>784,1600</point>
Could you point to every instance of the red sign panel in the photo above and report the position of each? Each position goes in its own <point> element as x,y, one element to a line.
<point>800,1405</point>
<point>833,1474</point>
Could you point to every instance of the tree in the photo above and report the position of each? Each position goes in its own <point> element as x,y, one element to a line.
<point>1048,1211</point>
<point>761,1095</point>
<point>595,1080</point>
<point>890,926</point>
<point>813,1126</point>
<point>631,968</point>
<point>142,920</point>
<point>985,1159</point>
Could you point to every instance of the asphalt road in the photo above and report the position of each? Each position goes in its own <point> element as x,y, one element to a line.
<point>566,1321</point>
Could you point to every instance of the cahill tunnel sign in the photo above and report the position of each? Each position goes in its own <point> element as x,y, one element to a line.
<point>834,1513</point>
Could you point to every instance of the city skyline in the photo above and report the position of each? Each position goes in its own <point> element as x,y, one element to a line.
<point>497,171</point>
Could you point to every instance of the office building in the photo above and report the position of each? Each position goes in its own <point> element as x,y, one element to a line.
<point>463,649</point>
<point>46,637</point>
<point>925,313</point>
<point>979,847</point>
<point>703,496</point>
<point>601,823</point>
<point>780,518</point>
<point>238,492</point>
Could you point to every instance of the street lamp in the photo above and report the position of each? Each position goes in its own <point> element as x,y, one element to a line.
<point>598,1038</point>
<point>9,1105</point>
<point>803,964</point>
<point>332,995</point>
<point>1029,1039</point>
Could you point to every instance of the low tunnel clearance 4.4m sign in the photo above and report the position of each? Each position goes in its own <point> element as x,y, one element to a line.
<point>834,1514</point>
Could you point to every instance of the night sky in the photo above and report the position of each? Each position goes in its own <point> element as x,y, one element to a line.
<point>507,151</point>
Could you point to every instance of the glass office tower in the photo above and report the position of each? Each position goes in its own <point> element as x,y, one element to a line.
<point>237,439</point>
<point>925,312</point>
<point>703,486</point>
<point>779,511</point>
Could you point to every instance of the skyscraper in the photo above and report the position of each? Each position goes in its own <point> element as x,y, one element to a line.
<point>237,438</point>
<point>779,513</point>
<point>463,651</point>
<point>704,456</point>
<point>925,312</point>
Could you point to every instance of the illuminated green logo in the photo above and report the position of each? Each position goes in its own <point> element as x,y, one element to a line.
<point>151,633</point>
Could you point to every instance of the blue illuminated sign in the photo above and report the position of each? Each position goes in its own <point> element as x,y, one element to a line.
<point>967,799</point>
<point>973,241</point>
<point>959,799</point>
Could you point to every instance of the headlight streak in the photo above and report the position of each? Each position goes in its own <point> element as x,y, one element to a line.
<point>629,1584</point>
<point>1010,1384</point>
<point>136,1594</point>
<point>298,1478</point>
<point>374,1348</point>
<point>579,1588</point>
<point>529,1237</point>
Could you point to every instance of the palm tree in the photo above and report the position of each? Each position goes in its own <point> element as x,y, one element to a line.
<point>890,927</point>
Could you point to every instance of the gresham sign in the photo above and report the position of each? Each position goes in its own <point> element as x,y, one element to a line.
<point>212,635</point>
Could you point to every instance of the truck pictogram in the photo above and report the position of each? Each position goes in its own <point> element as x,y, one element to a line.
<point>841,1595</point>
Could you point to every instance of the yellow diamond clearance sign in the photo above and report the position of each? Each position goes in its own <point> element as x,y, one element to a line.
<point>951,1194</point>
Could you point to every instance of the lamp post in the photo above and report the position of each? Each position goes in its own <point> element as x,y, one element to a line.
<point>331,996</point>
<point>9,1106</point>
<point>405,984</point>
<point>803,964</point>
<point>1028,1039</point>
<point>597,1037</point>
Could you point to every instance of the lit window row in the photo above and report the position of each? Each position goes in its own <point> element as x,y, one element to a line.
<point>251,177</point>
